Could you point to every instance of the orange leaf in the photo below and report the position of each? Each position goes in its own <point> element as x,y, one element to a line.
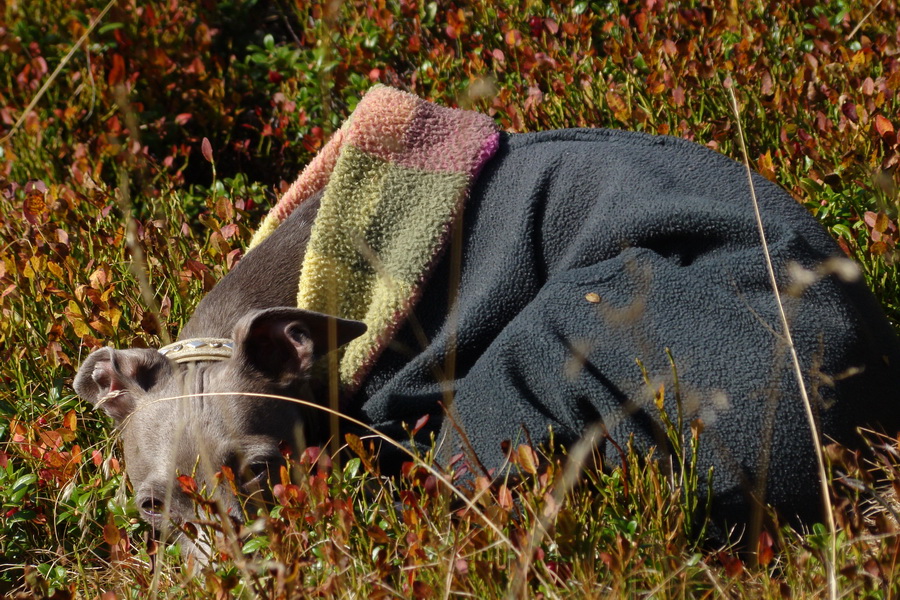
<point>504,498</point>
<point>765,552</point>
<point>883,125</point>
<point>110,532</point>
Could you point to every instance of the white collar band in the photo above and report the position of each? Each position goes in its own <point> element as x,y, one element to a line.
<point>196,349</point>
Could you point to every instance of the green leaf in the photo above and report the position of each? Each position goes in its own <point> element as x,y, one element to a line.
<point>110,27</point>
<point>24,480</point>
<point>255,544</point>
<point>842,230</point>
<point>351,469</point>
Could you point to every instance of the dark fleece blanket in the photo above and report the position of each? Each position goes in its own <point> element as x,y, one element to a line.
<point>584,251</point>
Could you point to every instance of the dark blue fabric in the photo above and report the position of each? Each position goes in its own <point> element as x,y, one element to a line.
<point>662,230</point>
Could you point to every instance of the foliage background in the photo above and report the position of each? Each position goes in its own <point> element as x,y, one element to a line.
<point>118,132</point>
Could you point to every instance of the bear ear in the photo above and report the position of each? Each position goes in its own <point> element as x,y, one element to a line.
<point>111,379</point>
<point>282,343</point>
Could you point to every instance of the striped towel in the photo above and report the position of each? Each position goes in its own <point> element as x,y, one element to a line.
<point>395,176</point>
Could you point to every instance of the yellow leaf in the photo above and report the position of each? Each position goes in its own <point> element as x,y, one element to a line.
<point>618,106</point>
<point>765,166</point>
<point>81,330</point>
<point>102,327</point>
<point>660,396</point>
<point>38,263</point>
<point>113,315</point>
<point>527,459</point>
<point>70,421</point>
<point>55,269</point>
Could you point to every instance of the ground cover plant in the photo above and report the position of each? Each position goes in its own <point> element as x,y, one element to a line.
<point>131,181</point>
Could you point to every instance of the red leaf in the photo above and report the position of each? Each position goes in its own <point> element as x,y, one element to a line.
<point>206,148</point>
<point>868,86</point>
<point>188,485</point>
<point>733,565</point>
<point>420,424</point>
<point>869,217</point>
<point>849,110</point>
<point>183,118</point>
<point>229,230</point>
<point>767,86</point>
<point>117,73</point>
<point>765,552</point>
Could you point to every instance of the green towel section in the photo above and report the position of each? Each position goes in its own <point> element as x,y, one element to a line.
<point>396,176</point>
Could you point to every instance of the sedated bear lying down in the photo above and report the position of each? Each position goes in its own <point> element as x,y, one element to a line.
<point>580,252</point>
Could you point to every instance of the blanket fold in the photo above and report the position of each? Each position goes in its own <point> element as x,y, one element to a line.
<point>396,176</point>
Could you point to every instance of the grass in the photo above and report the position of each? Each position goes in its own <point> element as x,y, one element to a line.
<point>266,83</point>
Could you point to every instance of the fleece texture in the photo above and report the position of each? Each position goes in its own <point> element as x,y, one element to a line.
<point>586,251</point>
<point>582,260</point>
<point>395,177</point>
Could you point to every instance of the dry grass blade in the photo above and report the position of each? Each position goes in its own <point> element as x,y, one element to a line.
<point>470,504</point>
<point>578,458</point>
<point>863,20</point>
<point>786,331</point>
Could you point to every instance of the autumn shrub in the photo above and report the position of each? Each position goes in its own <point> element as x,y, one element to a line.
<point>115,222</point>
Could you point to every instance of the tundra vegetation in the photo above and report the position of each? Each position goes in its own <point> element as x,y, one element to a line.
<point>132,178</point>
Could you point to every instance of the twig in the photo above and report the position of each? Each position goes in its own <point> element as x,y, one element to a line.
<point>57,71</point>
<point>863,20</point>
<point>798,373</point>
<point>139,267</point>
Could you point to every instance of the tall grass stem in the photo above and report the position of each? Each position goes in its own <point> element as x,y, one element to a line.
<point>814,430</point>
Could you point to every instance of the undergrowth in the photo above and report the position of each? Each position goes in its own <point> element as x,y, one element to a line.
<point>266,83</point>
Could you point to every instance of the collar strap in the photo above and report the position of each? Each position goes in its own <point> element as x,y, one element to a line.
<point>196,349</point>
